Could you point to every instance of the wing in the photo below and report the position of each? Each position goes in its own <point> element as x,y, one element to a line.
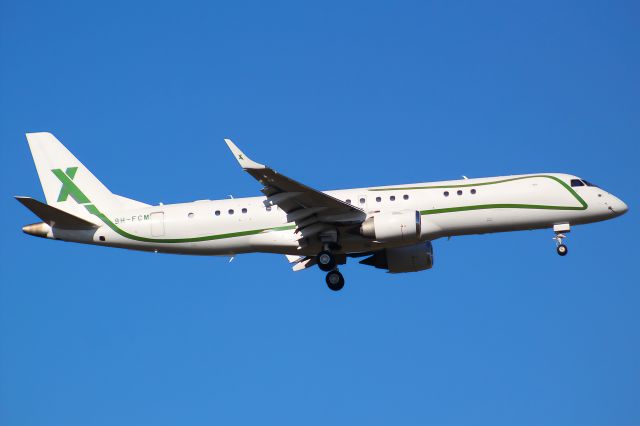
<point>312,211</point>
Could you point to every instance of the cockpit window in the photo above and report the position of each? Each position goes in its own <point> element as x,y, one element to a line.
<point>576,182</point>
<point>589,183</point>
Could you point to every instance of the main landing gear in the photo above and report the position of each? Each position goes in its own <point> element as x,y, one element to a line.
<point>335,280</point>
<point>327,263</point>
<point>560,247</point>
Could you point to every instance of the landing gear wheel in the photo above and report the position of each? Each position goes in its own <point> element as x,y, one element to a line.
<point>326,261</point>
<point>335,280</point>
<point>562,250</point>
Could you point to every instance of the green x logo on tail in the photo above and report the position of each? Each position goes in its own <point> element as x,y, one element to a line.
<point>68,187</point>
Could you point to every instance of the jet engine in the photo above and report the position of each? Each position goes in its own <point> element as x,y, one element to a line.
<point>417,257</point>
<point>403,225</point>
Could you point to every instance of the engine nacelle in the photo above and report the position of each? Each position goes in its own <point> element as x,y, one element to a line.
<point>417,257</point>
<point>404,226</point>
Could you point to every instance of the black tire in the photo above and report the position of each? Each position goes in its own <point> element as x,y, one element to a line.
<point>335,280</point>
<point>562,250</point>
<point>326,261</point>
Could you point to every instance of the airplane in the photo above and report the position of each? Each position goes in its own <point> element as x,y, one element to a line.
<point>391,227</point>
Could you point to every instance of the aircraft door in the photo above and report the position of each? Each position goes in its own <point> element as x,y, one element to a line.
<point>157,224</point>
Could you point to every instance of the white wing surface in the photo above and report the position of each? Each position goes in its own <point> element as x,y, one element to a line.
<point>312,211</point>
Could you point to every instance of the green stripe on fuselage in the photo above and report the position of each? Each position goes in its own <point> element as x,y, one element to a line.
<point>72,189</point>
<point>583,203</point>
<point>81,198</point>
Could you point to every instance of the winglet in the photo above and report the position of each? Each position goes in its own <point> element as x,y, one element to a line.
<point>245,162</point>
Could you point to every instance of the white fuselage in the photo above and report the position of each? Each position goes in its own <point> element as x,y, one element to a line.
<point>460,207</point>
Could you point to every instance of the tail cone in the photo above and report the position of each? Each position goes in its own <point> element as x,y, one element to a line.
<point>40,229</point>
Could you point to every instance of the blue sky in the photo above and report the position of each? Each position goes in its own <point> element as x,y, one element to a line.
<point>335,94</point>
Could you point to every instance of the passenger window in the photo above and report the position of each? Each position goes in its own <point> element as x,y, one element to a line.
<point>230,211</point>
<point>362,200</point>
<point>405,197</point>
<point>392,198</point>
<point>244,210</point>
<point>446,193</point>
<point>190,215</point>
<point>348,201</point>
<point>576,182</point>
<point>378,199</point>
<point>459,192</point>
<point>217,213</point>
<point>473,191</point>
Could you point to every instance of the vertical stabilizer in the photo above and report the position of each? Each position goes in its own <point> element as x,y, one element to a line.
<point>67,184</point>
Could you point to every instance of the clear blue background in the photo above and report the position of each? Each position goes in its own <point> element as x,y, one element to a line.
<point>335,94</point>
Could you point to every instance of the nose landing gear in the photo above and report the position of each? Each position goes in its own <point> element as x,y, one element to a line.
<point>560,247</point>
<point>562,250</point>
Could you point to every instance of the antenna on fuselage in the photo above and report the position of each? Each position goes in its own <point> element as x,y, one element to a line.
<point>465,177</point>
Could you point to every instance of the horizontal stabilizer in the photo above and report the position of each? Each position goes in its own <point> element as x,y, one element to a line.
<point>55,217</point>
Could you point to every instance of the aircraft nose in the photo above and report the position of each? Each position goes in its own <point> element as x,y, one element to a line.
<point>619,206</point>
